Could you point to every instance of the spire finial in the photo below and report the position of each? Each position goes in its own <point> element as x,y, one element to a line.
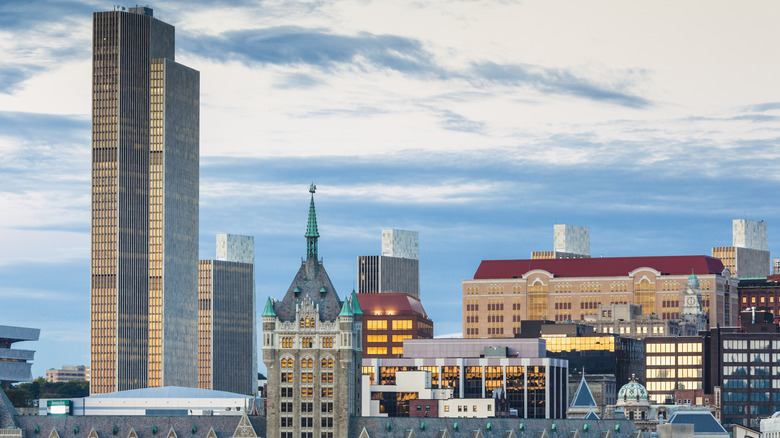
<point>311,228</point>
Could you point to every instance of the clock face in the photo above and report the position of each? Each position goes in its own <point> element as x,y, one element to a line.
<point>690,301</point>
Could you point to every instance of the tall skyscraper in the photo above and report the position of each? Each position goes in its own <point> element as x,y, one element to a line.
<point>144,273</point>
<point>227,347</point>
<point>397,270</point>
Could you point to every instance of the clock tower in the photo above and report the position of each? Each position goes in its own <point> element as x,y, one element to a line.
<point>693,311</point>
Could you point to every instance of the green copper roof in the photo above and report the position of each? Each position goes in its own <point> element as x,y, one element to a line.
<point>346,309</point>
<point>355,305</point>
<point>311,228</point>
<point>692,276</point>
<point>269,308</point>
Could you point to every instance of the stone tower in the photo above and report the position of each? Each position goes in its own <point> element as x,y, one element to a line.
<point>312,350</point>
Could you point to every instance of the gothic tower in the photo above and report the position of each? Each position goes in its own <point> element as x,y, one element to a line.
<point>311,348</point>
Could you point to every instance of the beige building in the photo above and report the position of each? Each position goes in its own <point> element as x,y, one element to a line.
<point>68,373</point>
<point>505,292</point>
<point>312,350</point>
<point>749,254</point>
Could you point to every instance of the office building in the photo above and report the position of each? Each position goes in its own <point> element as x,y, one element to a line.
<point>628,320</point>
<point>15,365</point>
<point>588,352</point>
<point>569,241</point>
<point>760,293</point>
<point>749,255</point>
<point>388,320</point>
<point>397,270</point>
<point>534,384</point>
<point>67,373</point>
<point>505,292</point>
<point>145,122</point>
<point>312,350</point>
<point>735,364</point>
<point>227,352</point>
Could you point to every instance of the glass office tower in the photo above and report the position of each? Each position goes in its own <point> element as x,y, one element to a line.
<point>145,122</point>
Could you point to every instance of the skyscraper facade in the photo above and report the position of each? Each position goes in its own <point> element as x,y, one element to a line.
<point>145,121</point>
<point>227,351</point>
<point>397,270</point>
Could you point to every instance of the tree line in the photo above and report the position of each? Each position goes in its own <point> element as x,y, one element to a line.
<point>23,395</point>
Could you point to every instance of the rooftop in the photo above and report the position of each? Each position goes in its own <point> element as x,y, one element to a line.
<point>600,266</point>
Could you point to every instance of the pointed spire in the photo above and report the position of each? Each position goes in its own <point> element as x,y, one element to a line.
<point>269,308</point>
<point>346,309</point>
<point>355,304</point>
<point>311,228</point>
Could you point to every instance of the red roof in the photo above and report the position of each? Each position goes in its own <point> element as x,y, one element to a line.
<point>400,304</point>
<point>599,266</point>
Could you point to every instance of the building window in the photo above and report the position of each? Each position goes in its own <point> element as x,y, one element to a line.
<point>376,325</point>
<point>327,363</point>
<point>327,342</point>
<point>306,343</point>
<point>287,342</point>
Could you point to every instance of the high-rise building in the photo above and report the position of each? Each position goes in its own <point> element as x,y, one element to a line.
<point>227,351</point>
<point>569,242</point>
<point>748,257</point>
<point>145,122</point>
<point>14,365</point>
<point>311,348</point>
<point>397,270</point>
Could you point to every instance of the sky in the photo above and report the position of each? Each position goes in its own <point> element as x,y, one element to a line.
<point>478,123</point>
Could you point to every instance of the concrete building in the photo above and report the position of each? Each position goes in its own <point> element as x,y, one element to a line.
<point>397,270</point>
<point>15,365</point>
<point>312,350</point>
<point>749,255</point>
<point>569,241</point>
<point>388,320</point>
<point>505,292</point>
<point>145,124</point>
<point>393,400</point>
<point>227,351</point>
<point>68,373</point>
<point>534,384</point>
<point>628,320</point>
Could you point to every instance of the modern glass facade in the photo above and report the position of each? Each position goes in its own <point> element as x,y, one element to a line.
<point>144,205</point>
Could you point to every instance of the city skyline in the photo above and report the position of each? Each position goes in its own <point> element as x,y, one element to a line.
<point>477,124</point>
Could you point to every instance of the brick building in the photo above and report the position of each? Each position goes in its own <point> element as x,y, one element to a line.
<point>389,319</point>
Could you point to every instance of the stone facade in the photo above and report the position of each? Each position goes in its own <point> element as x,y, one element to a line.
<point>312,350</point>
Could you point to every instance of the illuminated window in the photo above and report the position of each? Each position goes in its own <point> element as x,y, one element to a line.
<point>376,338</point>
<point>327,392</point>
<point>327,363</point>
<point>306,343</point>
<point>287,342</point>
<point>398,350</point>
<point>402,324</point>
<point>376,325</point>
<point>327,342</point>
<point>376,350</point>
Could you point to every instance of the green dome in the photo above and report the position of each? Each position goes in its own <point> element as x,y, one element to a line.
<point>632,390</point>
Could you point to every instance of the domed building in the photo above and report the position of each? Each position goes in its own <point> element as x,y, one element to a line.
<point>633,400</point>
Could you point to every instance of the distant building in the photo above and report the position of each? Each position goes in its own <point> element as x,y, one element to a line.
<point>628,320</point>
<point>227,331</point>
<point>505,292</point>
<point>760,293</point>
<point>397,270</point>
<point>15,365</point>
<point>388,320</point>
<point>67,373</point>
<point>534,385</point>
<point>601,387</point>
<point>569,242</point>
<point>732,363</point>
<point>749,255</point>
<point>596,353</point>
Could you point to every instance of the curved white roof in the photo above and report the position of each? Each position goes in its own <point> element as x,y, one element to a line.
<point>170,392</point>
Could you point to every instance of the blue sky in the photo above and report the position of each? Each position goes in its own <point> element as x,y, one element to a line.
<point>478,123</point>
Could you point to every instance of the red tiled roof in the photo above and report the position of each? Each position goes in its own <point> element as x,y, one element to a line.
<point>599,266</point>
<point>400,304</point>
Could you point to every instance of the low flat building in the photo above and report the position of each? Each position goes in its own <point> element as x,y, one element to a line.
<point>535,385</point>
<point>67,373</point>
<point>15,365</point>
<point>167,400</point>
